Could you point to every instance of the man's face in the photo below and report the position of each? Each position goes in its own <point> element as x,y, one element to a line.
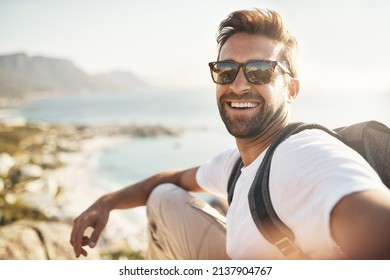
<point>248,110</point>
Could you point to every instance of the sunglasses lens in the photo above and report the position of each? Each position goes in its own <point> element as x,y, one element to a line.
<point>259,72</point>
<point>224,72</point>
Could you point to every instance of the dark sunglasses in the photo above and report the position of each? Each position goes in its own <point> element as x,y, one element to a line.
<point>257,72</point>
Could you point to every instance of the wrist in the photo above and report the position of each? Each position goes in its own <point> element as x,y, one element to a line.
<point>106,202</point>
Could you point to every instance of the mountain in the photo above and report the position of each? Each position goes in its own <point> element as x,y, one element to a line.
<point>22,75</point>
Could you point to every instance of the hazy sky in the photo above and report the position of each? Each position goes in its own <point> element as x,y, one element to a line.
<point>343,43</point>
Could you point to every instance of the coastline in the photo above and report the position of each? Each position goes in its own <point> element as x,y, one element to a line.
<point>81,185</point>
<point>50,172</point>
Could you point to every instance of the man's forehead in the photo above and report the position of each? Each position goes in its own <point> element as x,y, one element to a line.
<point>251,46</point>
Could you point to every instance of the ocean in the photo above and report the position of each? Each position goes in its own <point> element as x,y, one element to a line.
<point>193,111</point>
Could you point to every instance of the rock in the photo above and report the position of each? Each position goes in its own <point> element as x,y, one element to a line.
<point>29,170</point>
<point>38,240</point>
<point>6,163</point>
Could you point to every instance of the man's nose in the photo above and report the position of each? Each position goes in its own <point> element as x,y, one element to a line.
<point>240,83</point>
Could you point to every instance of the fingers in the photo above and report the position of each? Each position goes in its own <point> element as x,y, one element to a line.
<point>84,241</point>
<point>96,216</point>
<point>77,238</point>
<point>95,235</point>
<point>84,252</point>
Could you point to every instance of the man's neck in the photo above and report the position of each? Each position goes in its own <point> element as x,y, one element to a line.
<point>251,148</point>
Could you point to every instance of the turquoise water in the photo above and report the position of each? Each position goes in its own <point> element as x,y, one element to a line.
<point>193,111</point>
<point>137,158</point>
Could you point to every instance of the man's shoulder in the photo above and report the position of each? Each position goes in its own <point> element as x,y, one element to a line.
<point>213,175</point>
<point>314,146</point>
<point>222,161</point>
<point>313,153</point>
<point>311,138</point>
<point>229,154</point>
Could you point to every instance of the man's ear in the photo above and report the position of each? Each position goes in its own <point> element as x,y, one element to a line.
<point>293,89</point>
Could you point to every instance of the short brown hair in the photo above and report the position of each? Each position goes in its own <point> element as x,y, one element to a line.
<point>261,22</point>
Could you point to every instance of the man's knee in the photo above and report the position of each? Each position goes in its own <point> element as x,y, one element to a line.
<point>165,194</point>
<point>169,199</point>
<point>181,226</point>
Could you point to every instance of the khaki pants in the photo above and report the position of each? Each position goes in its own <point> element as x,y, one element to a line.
<point>183,227</point>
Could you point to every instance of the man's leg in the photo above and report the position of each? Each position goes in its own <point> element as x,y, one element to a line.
<point>181,226</point>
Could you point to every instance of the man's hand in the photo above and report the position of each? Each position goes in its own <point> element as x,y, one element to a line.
<point>96,216</point>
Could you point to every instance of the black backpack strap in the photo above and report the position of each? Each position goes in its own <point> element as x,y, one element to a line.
<point>262,210</point>
<point>234,175</point>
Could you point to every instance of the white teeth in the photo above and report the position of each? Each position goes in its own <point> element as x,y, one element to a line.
<point>243,105</point>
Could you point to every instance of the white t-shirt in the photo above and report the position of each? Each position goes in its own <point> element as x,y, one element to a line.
<point>310,172</point>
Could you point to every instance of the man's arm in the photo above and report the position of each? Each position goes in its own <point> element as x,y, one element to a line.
<point>96,216</point>
<point>360,225</point>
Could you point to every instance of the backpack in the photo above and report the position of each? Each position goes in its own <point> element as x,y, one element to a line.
<point>370,139</point>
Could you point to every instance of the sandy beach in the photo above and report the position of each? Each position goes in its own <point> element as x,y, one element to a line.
<point>81,186</point>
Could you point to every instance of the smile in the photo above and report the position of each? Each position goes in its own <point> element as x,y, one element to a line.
<point>243,105</point>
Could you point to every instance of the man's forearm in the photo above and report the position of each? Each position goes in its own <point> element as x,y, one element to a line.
<point>137,194</point>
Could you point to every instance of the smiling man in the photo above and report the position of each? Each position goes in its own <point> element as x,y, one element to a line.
<point>326,193</point>
<point>253,103</point>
